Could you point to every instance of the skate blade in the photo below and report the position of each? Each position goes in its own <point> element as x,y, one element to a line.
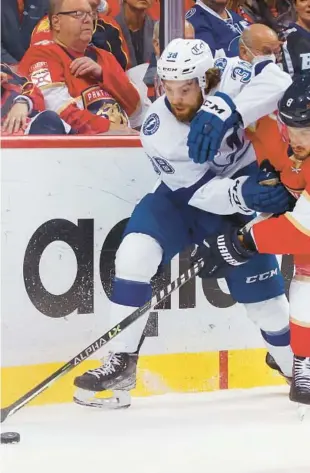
<point>302,410</point>
<point>119,400</point>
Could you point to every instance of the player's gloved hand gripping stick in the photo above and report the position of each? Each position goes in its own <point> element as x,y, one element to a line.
<point>222,253</point>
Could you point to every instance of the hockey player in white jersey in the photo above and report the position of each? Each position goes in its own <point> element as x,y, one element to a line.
<point>191,202</point>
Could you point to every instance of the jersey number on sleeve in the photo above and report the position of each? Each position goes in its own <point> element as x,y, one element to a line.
<point>161,165</point>
<point>244,75</point>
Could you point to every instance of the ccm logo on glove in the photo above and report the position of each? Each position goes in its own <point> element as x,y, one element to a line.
<point>217,106</point>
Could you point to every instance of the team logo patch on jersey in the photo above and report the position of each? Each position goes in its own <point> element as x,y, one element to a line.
<point>221,63</point>
<point>40,74</point>
<point>190,13</point>
<point>151,124</point>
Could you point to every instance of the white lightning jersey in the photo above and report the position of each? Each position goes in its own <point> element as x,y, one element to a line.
<point>164,138</point>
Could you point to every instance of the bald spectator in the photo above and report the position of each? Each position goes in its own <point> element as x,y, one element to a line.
<point>137,27</point>
<point>85,85</point>
<point>259,44</point>
<point>218,26</point>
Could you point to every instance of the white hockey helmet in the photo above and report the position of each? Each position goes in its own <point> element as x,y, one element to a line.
<point>185,59</point>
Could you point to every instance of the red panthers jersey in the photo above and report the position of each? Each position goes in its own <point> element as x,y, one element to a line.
<point>290,232</point>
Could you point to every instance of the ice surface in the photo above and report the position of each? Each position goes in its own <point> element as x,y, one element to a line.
<point>240,431</point>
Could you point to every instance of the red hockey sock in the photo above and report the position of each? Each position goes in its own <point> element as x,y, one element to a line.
<point>300,339</point>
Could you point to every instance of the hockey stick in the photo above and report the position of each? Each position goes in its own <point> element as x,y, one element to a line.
<point>157,298</point>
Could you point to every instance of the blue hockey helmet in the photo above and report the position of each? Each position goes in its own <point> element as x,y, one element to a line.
<point>294,107</point>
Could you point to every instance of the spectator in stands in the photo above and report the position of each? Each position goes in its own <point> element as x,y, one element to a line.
<point>107,34</point>
<point>137,27</point>
<point>103,7</point>
<point>239,6</point>
<point>151,79</point>
<point>296,49</point>
<point>189,33</point>
<point>219,27</point>
<point>276,14</point>
<point>18,18</point>
<point>85,85</point>
<point>259,43</point>
<point>23,108</point>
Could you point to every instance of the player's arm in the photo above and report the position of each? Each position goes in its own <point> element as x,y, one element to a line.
<point>220,112</point>
<point>244,195</point>
<point>45,71</point>
<point>260,192</point>
<point>286,234</point>
<point>261,95</point>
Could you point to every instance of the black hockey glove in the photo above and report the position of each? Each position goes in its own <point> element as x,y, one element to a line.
<point>222,253</point>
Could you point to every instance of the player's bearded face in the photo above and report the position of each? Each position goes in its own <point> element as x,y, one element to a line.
<point>185,98</point>
<point>299,139</point>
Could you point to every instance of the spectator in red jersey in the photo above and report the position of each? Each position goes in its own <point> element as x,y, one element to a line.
<point>85,85</point>
<point>137,27</point>
<point>23,108</point>
<point>107,34</point>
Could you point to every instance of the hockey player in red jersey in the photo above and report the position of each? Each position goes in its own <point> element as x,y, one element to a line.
<point>287,233</point>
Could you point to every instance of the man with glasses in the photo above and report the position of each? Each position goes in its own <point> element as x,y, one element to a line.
<point>107,34</point>
<point>85,85</point>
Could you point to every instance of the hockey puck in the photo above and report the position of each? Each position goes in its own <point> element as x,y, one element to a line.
<point>10,437</point>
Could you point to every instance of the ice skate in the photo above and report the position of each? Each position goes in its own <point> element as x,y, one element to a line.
<point>117,374</point>
<point>270,361</point>
<point>300,387</point>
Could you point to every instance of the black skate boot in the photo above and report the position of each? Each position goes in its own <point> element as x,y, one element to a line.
<point>300,387</point>
<point>271,362</point>
<point>117,374</point>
